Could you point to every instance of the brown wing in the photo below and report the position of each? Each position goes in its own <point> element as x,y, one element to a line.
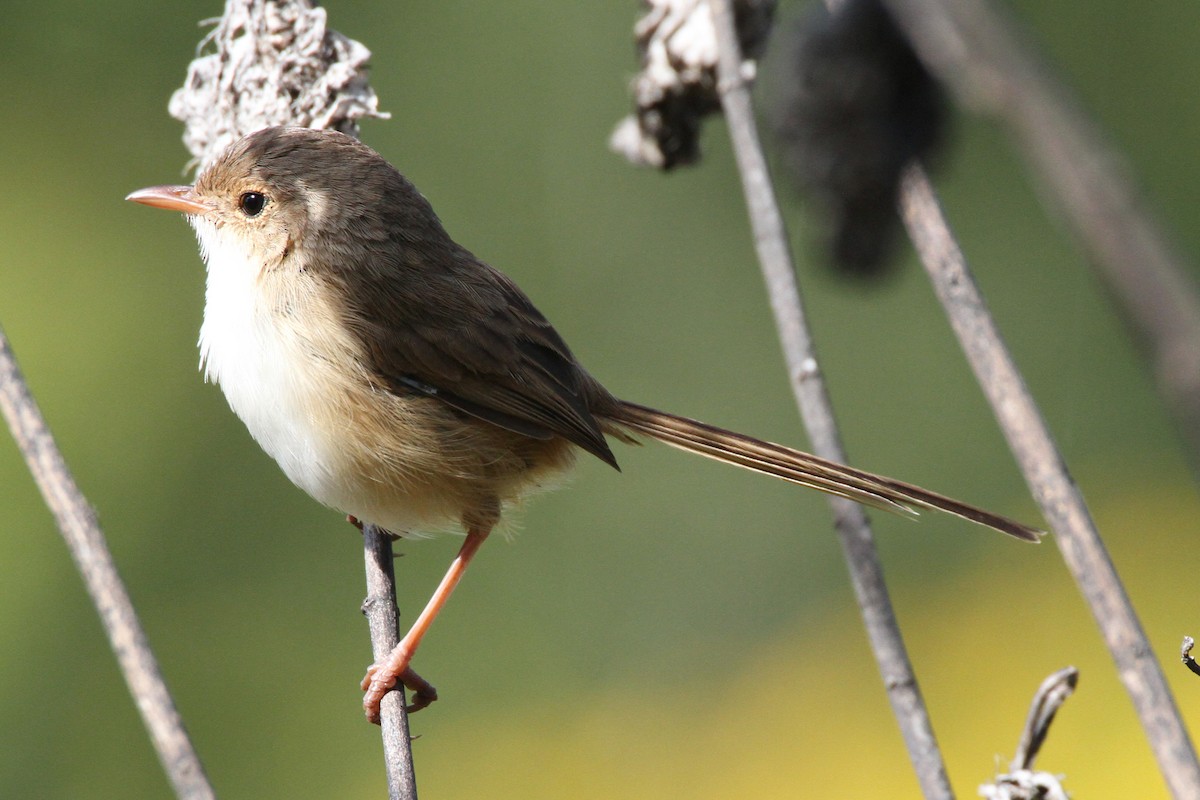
<point>437,321</point>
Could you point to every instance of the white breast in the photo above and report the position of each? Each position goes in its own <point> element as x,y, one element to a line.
<point>293,373</point>
<point>250,345</point>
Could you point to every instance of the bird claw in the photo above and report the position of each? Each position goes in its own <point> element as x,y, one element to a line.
<point>380,679</point>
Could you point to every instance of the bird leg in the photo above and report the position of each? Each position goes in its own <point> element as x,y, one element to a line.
<point>382,675</point>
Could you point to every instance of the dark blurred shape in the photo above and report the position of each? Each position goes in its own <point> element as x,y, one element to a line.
<point>861,107</point>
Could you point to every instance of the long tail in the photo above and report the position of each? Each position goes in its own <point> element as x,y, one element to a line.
<point>803,468</point>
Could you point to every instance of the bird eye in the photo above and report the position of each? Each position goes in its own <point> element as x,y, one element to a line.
<point>252,203</point>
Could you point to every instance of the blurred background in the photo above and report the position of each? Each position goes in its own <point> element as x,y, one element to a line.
<point>677,630</point>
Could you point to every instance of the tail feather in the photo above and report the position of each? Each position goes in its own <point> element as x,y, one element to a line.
<point>805,469</point>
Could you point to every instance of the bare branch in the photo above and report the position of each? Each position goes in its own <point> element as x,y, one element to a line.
<point>974,49</point>
<point>81,532</point>
<point>276,62</point>
<point>384,620</point>
<point>816,409</point>
<point>1052,487</point>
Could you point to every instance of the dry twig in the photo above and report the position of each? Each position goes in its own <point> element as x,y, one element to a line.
<point>1185,653</point>
<point>975,51</point>
<point>1021,782</point>
<point>816,409</point>
<point>80,530</point>
<point>276,62</point>
<point>1048,479</point>
<point>383,617</point>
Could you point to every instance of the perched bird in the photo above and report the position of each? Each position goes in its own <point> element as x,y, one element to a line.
<point>400,379</point>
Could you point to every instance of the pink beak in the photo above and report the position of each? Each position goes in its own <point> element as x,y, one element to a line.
<point>175,198</point>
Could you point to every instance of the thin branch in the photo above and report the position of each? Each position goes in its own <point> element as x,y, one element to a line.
<point>383,617</point>
<point>81,532</point>
<point>853,529</point>
<point>1052,487</point>
<point>277,62</point>
<point>974,50</point>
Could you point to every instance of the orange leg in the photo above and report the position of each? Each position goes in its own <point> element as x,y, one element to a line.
<point>382,676</point>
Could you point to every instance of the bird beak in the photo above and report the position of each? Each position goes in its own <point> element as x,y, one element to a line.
<point>175,198</point>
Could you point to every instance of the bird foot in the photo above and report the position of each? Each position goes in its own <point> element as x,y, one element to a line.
<point>383,676</point>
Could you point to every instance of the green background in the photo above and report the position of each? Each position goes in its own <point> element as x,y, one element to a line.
<point>678,630</point>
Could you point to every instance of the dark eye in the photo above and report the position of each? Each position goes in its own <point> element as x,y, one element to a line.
<point>252,203</point>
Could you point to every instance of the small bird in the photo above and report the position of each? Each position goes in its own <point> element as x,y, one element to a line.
<point>398,378</point>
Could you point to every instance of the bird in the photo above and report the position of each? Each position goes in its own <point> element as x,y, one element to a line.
<point>400,379</point>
